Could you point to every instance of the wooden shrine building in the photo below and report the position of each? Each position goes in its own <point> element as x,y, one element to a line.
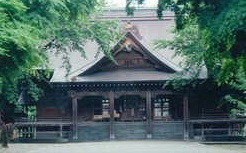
<point>124,99</point>
<point>125,96</point>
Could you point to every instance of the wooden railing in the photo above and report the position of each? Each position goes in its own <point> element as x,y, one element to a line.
<point>54,120</point>
<point>218,129</point>
<point>203,129</point>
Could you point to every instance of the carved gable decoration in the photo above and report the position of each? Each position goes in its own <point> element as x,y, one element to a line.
<point>129,54</point>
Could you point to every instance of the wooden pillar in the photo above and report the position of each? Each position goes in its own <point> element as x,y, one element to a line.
<point>61,130</point>
<point>75,116</point>
<point>202,131</point>
<point>186,116</point>
<point>229,129</point>
<point>111,103</point>
<point>148,113</point>
<point>34,132</point>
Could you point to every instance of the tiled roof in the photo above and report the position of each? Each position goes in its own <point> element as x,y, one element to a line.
<point>149,28</point>
<point>126,75</point>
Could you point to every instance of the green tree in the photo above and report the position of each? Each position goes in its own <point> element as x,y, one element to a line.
<point>130,8</point>
<point>213,32</point>
<point>29,29</point>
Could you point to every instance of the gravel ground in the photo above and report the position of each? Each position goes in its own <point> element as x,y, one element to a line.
<point>124,147</point>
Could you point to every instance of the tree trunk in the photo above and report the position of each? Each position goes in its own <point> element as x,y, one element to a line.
<point>4,136</point>
<point>3,132</point>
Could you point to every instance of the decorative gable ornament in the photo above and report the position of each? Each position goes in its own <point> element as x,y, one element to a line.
<point>128,46</point>
<point>129,27</point>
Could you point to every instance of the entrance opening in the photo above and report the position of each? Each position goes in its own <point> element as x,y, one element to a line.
<point>89,108</point>
<point>131,108</point>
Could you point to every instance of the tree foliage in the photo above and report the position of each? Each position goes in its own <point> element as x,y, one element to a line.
<point>130,6</point>
<point>29,29</point>
<point>213,32</point>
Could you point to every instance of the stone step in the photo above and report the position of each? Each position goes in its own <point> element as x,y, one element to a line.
<point>131,131</point>
<point>93,133</point>
<point>168,131</point>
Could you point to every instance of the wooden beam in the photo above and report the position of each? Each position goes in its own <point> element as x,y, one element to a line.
<point>80,95</point>
<point>186,116</point>
<point>148,112</point>
<point>111,104</point>
<point>165,92</point>
<point>120,93</point>
<point>75,116</point>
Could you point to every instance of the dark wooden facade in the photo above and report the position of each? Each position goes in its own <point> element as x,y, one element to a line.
<point>123,99</point>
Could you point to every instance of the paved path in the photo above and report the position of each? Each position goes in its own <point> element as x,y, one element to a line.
<point>123,147</point>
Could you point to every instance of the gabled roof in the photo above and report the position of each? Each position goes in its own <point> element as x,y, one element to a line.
<point>164,70</point>
<point>165,66</point>
<point>150,29</point>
